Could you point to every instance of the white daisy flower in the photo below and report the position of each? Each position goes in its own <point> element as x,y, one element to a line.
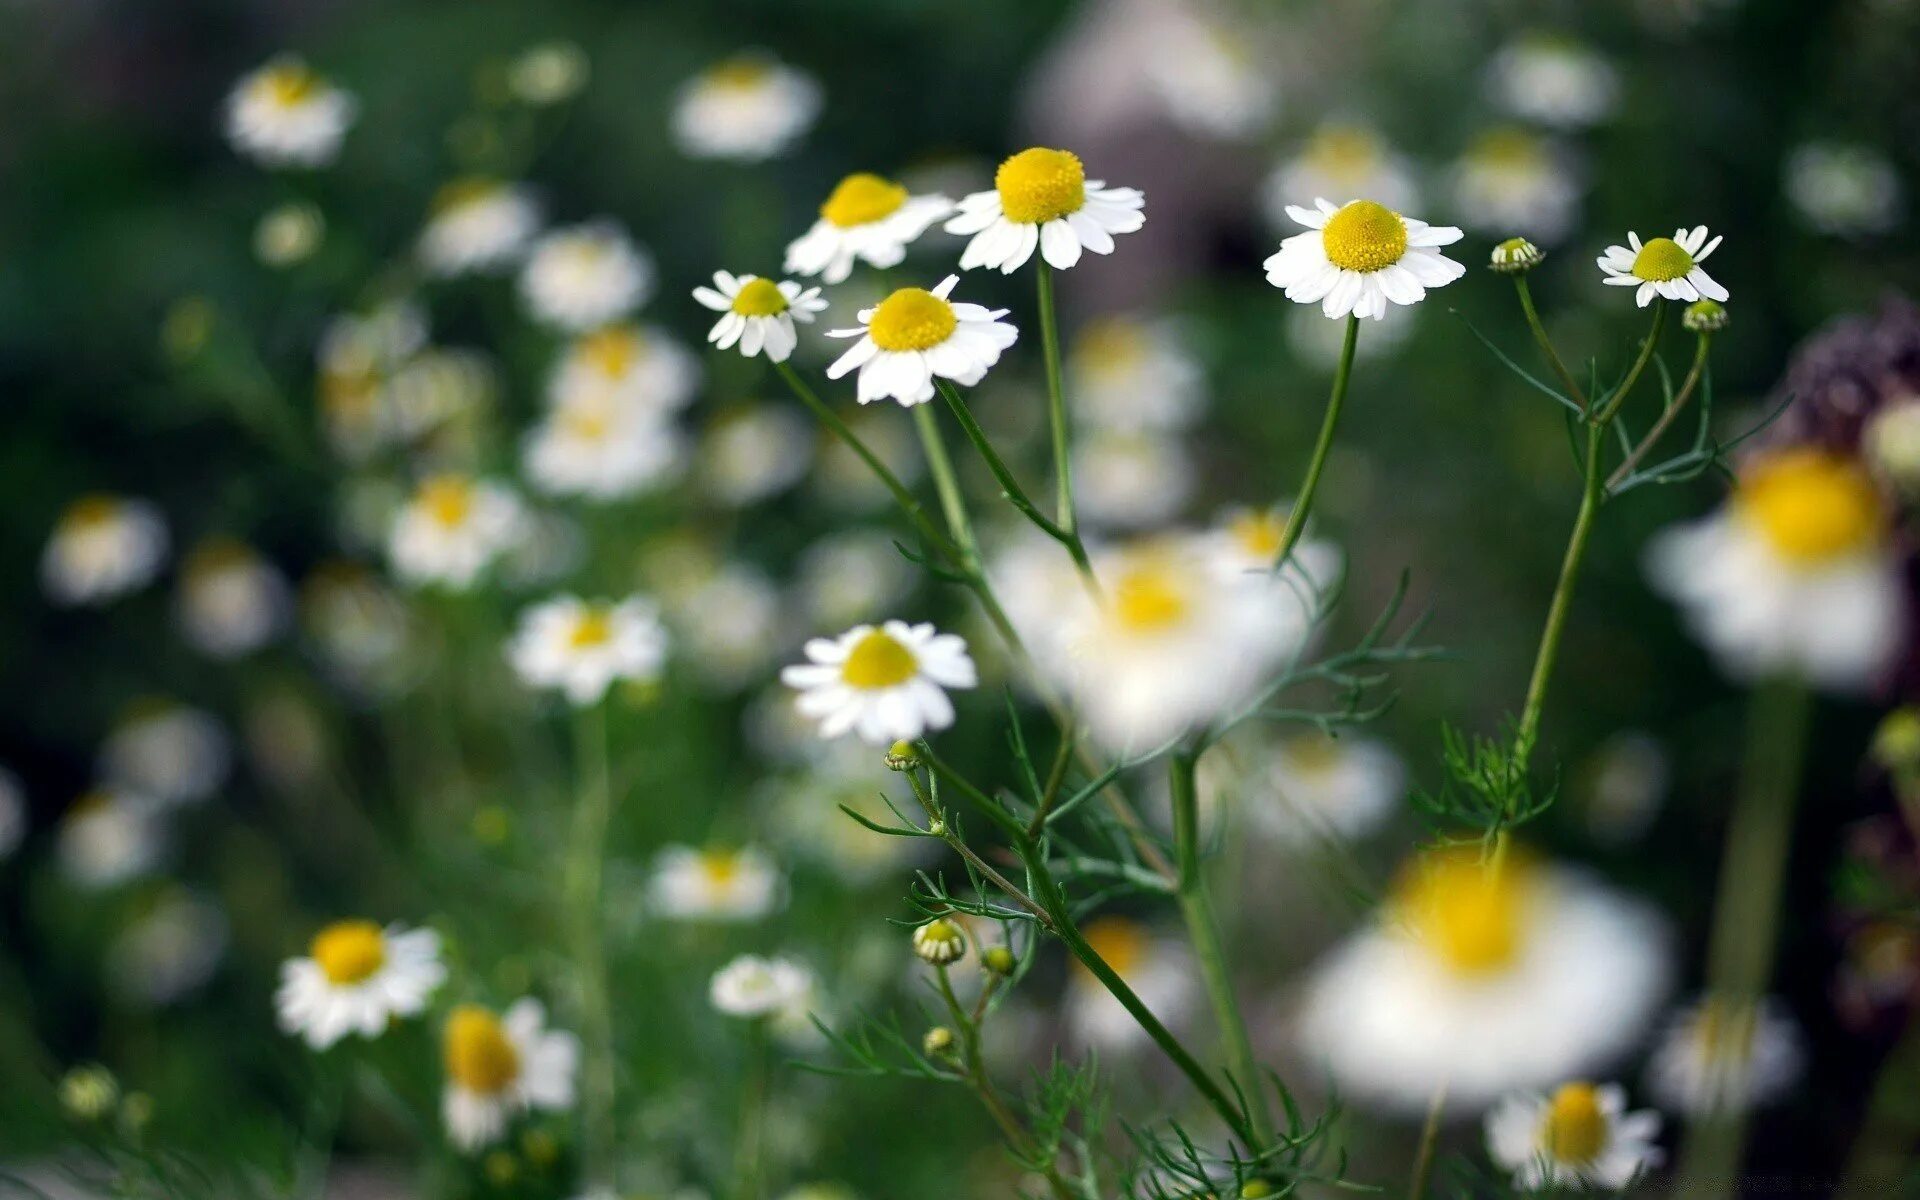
<point>1668,267</point>
<point>103,546</point>
<point>14,818</point>
<point>1553,80</point>
<point>713,885</point>
<point>169,951</point>
<point>109,837</point>
<point>231,601</point>
<point>1719,1057</point>
<point>478,224</point>
<point>1130,373</point>
<point>1361,256</point>
<point>452,529</point>
<point>356,978</point>
<point>751,986</point>
<point>288,234</point>
<point>287,115</point>
<point>585,276</point>
<point>1042,198</point>
<point>884,684</point>
<point>1243,543</point>
<point>1312,787</point>
<point>914,336</point>
<point>1340,159</point>
<point>358,625</point>
<point>639,366</point>
<point>582,648</point>
<point>1580,1136</point>
<point>733,624</point>
<point>499,1066</point>
<point>1482,982</point>
<point>602,448</point>
<point>750,454</point>
<point>1512,182</point>
<point>1844,190</point>
<point>748,108</point>
<point>1156,968</point>
<point>1130,479</point>
<point>847,577</point>
<point>867,218</point>
<point>168,752</point>
<point>758,313</point>
<point>1211,78</point>
<point>1795,573</point>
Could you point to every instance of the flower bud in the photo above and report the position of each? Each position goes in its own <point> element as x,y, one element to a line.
<point>1515,256</point>
<point>903,756</point>
<point>1704,316</point>
<point>940,941</point>
<point>997,959</point>
<point>1255,1189</point>
<point>937,1041</point>
<point>1896,744</point>
<point>89,1092</point>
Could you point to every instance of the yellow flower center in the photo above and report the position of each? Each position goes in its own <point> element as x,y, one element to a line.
<point>741,74</point>
<point>1724,1032</point>
<point>1662,259</point>
<point>588,422</point>
<point>1469,914</point>
<point>612,351</point>
<point>759,298</point>
<point>593,629</point>
<point>92,512</point>
<point>448,499</point>
<point>719,868</point>
<point>1122,943</point>
<point>1040,185</point>
<point>290,83</point>
<point>1258,533</point>
<point>878,661</point>
<point>1364,236</point>
<point>1344,152</point>
<point>1313,754</point>
<point>479,1055</point>
<point>1574,1131</point>
<point>216,556</point>
<point>1511,150</point>
<point>1149,597</point>
<point>912,319</point>
<point>862,199</point>
<point>1812,506</point>
<point>349,951</point>
<point>462,192</point>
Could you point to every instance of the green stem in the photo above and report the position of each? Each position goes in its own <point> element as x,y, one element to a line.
<point>1429,1140</point>
<point>1668,417</point>
<point>1881,1156</point>
<point>1619,397</point>
<point>592,814</point>
<point>1746,913</point>
<point>1203,929</point>
<point>1546,344</point>
<point>753,1099</point>
<point>1592,496</point>
<point>1056,406</point>
<point>1303,503</point>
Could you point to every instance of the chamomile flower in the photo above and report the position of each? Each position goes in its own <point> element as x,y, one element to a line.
<point>1244,542</point>
<point>733,624</point>
<point>1360,257</point>
<point>168,752</point>
<point>1313,787</point>
<point>751,987</point>
<point>1795,573</point>
<point>548,73</point>
<point>1721,1057</point>
<point>110,836</point>
<point>638,366</point>
<point>169,951</point>
<point>585,276</point>
<point>1210,77</point>
<point>1579,1136</point>
<point>1130,479</point>
<point>1132,373</point>
<point>501,1065</point>
<point>915,336</point>
<point>1154,967</point>
<point>747,108</point>
<point>883,683</point>
<point>1340,159</point>
<point>847,577</point>
<point>286,115</point>
<point>1842,189</point>
<point>867,217</point>
<point>1483,981</point>
<point>750,454</point>
<point>102,547</point>
<point>288,234</point>
<point>1512,182</point>
<point>1553,80</point>
<point>713,884</point>
<point>358,625</point>
<point>758,314</point>
<point>478,224</point>
<point>231,600</point>
<point>452,529</point>
<point>1668,267</point>
<point>582,648</point>
<point>355,978</point>
<point>1042,198</point>
<point>601,447</point>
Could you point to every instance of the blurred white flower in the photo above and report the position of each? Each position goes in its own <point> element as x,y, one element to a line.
<point>1511,182</point>
<point>1211,77</point>
<point>884,684</point>
<point>1130,480</point>
<point>585,276</point>
<point>1630,776</point>
<point>103,546</point>
<point>478,224</point>
<point>1794,573</point>
<point>751,986</point>
<point>168,753</point>
<point>1310,787</point>
<point>1845,190</point>
<point>375,342</point>
<point>747,108</point>
<point>288,234</point>
<point>1668,267</point>
<point>1043,199</point>
<point>1244,542</point>
<point>1360,257</point>
<point>14,814</point>
<point>438,391</point>
<point>850,576</point>
<point>286,115</point>
<point>356,622</point>
<point>713,885</point>
<point>733,623</point>
<point>601,447</point>
<point>1553,80</point>
<point>1483,981</point>
<point>452,529</point>
<point>231,601</point>
<point>548,73</point>
<point>109,837</point>
<point>1156,968</point>
<point>639,366</point>
<point>1580,1136</point>
<point>501,1065</point>
<point>1319,342</point>
<point>749,454</point>
<point>1340,159</point>
<point>1130,373</point>
<point>583,648</point>
<point>868,218</point>
<point>356,978</point>
<point>1718,1057</point>
<point>758,314</point>
<point>168,951</point>
<point>915,336</point>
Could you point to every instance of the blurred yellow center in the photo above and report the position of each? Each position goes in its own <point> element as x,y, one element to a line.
<point>1111,344</point>
<point>1662,259</point>
<point>862,199</point>
<point>462,192</point>
<point>611,351</point>
<point>1470,915</point>
<point>1040,185</point>
<point>912,319</point>
<point>1811,506</point>
<point>1258,533</point>
<point>759,298</point>
<point>480,1057</point>
<point>1149,598</point>
<point>349,952</point>
<point>290,84</point>
<point>1513,150</point>
<point>448,499</point>
<point>588,422</point>
<point>1364,236</point>
<point>878,661</point>
<point>1574,1130</point>
<point>1314,754</point>
<point>1344,152</point>
<point>719,868</point>
<point>739,74</point>
<point>93,512</point>
<point>594,628</point>
<point>1121,943</point>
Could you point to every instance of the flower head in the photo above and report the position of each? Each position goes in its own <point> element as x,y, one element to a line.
<point>747,108</point>
<point>582,648</point>
<point>868,218</point>
<point>1662,266</point>
<point>1580,1135</point>
<point>914,336</point>
<point>1720,1057</point>
<point>940,941</point>
<point>102,547</point>
<point>355,978</point>
<point>1704,316</point>
<point>585,276</point>
<point>452,529</point>
<point>478,224</point>
<point>601,446</point>
<point>1510,180</point>
<point>713,884</point>
<point>168,752</point>
<point>1361,256</point>
<point>751,987</point>
<point>1131,373</point>
<point>1341,158</point>
<point>231,600</point>
<point>758,313</point>
<point>1043,198</point>
<point>500,1065</point>
<point>285,114</point>
<point>883,683</point>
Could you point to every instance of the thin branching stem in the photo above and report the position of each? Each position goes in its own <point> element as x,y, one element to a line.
<point>1056,406</point>
<point>1336,399</point>
<point>1667,418</point>
<point>1546,343</point>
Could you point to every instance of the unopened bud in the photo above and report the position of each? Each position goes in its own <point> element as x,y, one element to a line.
<point>1896,744</point>
<point>1704,316</point>
<point>937,1041</point>
<point>940,941</point>
<point>1515,255</point>
<point>997,959</point>
<point>903,756</point>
